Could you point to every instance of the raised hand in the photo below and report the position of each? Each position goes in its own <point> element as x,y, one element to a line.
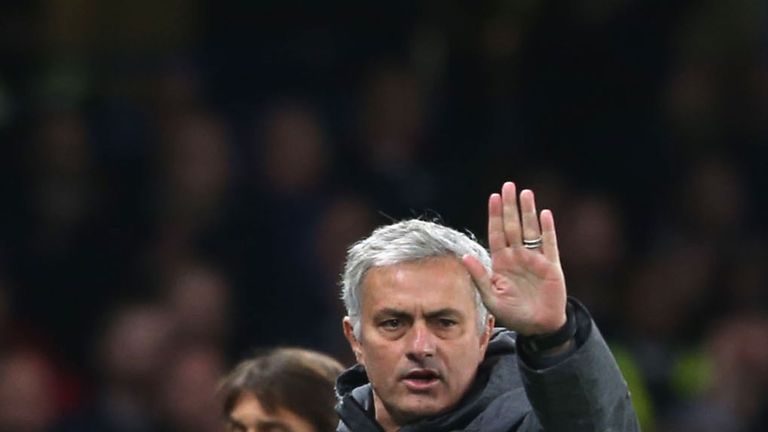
<point>526,289</point>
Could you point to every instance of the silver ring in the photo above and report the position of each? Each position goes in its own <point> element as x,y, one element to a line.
<point>533,244</point>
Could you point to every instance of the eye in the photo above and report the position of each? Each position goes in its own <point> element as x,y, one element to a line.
<point>390,324</point>
<point>447,323</point>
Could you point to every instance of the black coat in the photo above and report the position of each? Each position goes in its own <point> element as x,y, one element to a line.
<point>582,391</point>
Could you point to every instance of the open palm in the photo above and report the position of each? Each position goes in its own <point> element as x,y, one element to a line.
<point>525,290</point>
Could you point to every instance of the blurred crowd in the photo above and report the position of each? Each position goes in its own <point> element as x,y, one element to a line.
<point>180,184</point>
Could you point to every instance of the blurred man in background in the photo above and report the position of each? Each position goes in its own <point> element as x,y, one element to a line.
<point>27,401</point>
<point>284,389</point>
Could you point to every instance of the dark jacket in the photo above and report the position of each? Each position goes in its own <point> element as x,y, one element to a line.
<point>582,390</point>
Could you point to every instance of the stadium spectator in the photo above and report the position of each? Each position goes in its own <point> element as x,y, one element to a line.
<point>286,389</point>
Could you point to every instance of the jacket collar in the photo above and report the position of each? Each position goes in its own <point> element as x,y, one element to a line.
<point>355,393</point>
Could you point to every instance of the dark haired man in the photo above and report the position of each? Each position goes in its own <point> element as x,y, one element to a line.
<point>282,390</point>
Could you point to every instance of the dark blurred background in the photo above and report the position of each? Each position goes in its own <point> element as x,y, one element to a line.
<point>179,182</point>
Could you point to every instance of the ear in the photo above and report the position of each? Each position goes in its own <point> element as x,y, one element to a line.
<point>349,333</point>
<point>485,338</point>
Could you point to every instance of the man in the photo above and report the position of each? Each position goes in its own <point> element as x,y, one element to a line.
<point>282,390</point>
<point>418,297</point>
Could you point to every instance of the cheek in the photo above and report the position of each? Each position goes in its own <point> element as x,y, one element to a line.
<point>464,360</point>
<point>380,359</point>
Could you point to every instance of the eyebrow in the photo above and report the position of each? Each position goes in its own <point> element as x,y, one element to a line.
<point>273,423</point>
<point>391,312</point>
<point>450,312</point>
<point>397,313</point>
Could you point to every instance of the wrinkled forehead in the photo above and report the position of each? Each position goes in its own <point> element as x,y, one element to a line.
<point>438,282</point>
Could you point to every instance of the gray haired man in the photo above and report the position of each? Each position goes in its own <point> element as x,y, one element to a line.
<point>423,300</point>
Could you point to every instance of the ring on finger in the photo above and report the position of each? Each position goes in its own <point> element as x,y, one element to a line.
<point>533,244</point>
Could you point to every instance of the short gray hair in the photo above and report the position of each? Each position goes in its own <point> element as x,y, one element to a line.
<point>401,242</point>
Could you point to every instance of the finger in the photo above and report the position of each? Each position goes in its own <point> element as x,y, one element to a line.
<point>510,215</point>
<point>531,229</point>
<point>549,236</point>
<point>496,238</point>
<point>479,274</point>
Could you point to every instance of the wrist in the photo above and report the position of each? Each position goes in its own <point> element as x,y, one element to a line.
<point>547,328</point>
<point>552,342</point>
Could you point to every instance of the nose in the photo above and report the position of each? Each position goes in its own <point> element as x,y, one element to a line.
<point>422,343</point>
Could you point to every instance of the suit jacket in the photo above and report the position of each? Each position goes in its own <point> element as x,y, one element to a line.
<point>582,390</point>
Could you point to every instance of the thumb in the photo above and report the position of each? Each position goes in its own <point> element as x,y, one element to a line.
<point>479,275</point>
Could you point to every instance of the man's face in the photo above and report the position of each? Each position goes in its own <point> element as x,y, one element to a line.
<point>420,344</point>
<point>249,415</point>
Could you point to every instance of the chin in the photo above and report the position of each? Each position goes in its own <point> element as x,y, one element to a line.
<point>416,407</point>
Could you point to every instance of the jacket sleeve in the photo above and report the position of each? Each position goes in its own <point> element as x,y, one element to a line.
<point>584,391</point>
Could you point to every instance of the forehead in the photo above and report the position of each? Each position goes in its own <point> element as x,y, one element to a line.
<point>249,412</point>
<point>248,404</point>
<point>433,283</point>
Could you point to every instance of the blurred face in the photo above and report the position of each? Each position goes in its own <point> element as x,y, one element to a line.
<point>188,390</point>
<point>419,343</point>
<point>249,415</point>
<point>26,389</point>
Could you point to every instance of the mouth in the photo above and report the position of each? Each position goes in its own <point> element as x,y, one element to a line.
<point>420,380</point>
